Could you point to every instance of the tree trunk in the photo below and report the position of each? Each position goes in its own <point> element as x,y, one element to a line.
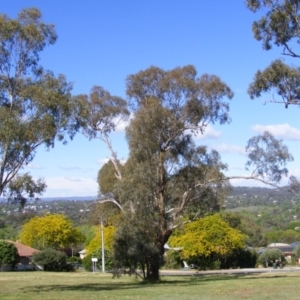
<point>153,272</point>
<point>155,261</point>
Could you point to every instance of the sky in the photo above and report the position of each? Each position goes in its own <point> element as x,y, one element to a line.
<point>101,42</point>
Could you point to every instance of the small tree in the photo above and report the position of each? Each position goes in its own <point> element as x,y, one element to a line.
<point>8,254</point>
<point>270,256</point>
<point>50,260</point>
<point>55,231</point>
<point>207,240</point>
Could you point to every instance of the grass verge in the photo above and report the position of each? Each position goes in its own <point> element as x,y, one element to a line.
<point>84,285</point>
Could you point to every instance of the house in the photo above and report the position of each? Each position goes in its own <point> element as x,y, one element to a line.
<point>25,253</point>
<point>82,253</point>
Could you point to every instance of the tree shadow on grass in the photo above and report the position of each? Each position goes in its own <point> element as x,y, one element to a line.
<point>121,285</point>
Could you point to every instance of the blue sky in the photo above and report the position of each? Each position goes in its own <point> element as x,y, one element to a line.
<point>101,42</point>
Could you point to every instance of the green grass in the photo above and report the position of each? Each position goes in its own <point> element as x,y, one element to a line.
<point>84,285</point>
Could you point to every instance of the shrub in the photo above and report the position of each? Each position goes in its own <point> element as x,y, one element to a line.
<point>240,258</point>
<point>297,252</point>
<point>270,256</point>
<point>172,260</point>
<point>8,254</point>
<point>51,260</point>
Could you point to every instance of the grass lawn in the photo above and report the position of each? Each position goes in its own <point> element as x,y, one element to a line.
<point>84,285</point>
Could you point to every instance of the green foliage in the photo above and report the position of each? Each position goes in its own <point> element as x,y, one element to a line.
<point>255,236</point>
<point>271,256</point>
<point>108,236</point>
<point>240,258</point>
<point>297,252</point>
<point>23,187</point>
<point>172,259</point>
<point>55,231</point>
<point>167,175</point>
<point>88,232</point>
<point>107,179</point>
<point>8,253</point>
<point>283,236</point>
<point>50,260</point>
<point>207,237</point>
<point>280,26</point>
<point>8,233</point>
<point>35,105</point>
<point>267,157</point>
<point>135,244</point>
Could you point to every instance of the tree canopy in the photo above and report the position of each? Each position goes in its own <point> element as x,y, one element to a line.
<point>168,178</point>
<point>279,26</point>
<point>35,105</point>
<point>50,231</point>
<point>209,236</point>
<point>8,253</point>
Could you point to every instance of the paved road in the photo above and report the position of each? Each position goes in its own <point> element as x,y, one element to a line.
<point>230,271</point>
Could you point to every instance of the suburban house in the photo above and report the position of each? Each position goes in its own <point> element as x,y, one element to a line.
<point>25,254</point>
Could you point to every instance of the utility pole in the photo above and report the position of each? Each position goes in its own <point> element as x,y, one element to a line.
<point>102,244</point>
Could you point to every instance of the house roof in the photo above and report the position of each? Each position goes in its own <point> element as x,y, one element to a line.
<point>23,250</point>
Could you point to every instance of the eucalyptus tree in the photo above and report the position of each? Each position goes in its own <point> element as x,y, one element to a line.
<point>167,179</point>
<point>278,26</point>
<point>35,105</point>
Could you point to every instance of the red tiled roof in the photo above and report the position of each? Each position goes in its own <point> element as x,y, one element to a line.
<point>24,250</point>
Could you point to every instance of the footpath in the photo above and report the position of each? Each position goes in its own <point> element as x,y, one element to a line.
<point>192,272</point>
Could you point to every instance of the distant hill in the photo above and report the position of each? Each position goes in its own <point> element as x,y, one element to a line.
<point>84,198</point>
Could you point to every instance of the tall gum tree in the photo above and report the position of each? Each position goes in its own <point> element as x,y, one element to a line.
<point>35,105</point>
<point>167,179</point>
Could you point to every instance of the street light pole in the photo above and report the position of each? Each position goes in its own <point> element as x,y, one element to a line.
<point>102,245</point>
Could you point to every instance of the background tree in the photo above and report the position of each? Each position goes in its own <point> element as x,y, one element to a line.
<point>255,236</point>
<point>50,231</point>
<point>282,236</point>
<point>270,256</point>
<point>210,238</point>
<point>95,243</point>
<point>8,254</point>
<point>35,105</point>
<point>279,26</point>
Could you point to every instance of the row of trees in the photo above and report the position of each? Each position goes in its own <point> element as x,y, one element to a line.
<point>167,178</point>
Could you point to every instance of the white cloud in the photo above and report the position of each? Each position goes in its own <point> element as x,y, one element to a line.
<point>73,168</point>
<point>249,183</point>
<point>209,133</point>
<point>34,166</point>
<point>69,186</point>
<point>102,161</point>
<point>73,179</point>
<point>229,149</point>
<point>284,131</point>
